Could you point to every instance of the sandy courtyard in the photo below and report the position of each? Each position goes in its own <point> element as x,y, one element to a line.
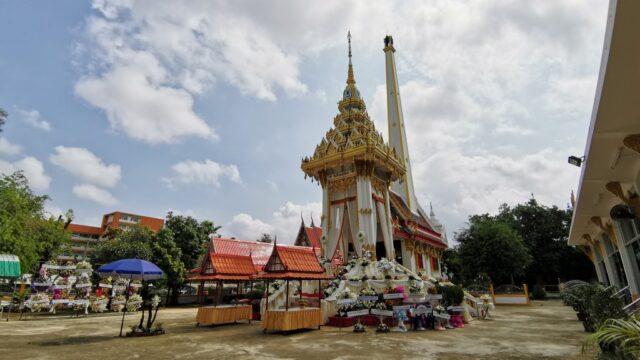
<point>544,330</point>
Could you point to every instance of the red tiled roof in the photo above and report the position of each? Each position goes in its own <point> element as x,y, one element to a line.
<point>293,275</point>
<point>220,277</point>
<point>314,234</point>
<point>84,229</point>
<point>260,252</point>
<point>425,233</point>
<point>298,259</point>
<point>225,264</point>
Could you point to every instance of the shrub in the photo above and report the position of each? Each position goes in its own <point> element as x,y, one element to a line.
<point>255,294</point>
<point>538,293</point>
<point>451,294</point>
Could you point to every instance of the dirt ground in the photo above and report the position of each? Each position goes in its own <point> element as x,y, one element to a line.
<point>544,330</point>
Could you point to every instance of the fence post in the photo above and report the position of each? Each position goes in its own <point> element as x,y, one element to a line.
<point>526,293</point>
<point>493,295</point>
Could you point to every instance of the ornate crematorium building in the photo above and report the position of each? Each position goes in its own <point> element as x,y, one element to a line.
<point>369,203</point>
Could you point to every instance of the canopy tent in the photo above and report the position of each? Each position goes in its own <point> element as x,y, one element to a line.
<point>134,269</point>
<point>9,266</point>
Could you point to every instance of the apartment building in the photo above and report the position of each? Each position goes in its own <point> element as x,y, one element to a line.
<point>84,238</point>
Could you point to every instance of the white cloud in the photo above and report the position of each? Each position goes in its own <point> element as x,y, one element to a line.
<point>33,170</point>
<point>34,119</point>
<point>146,60</point>
<point>86,166</point>
<point>9,149</point>
<point>207,172</point>
<point>94,193</point>
<point>284,222</point>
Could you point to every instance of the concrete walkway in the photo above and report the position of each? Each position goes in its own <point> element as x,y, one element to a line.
<point>544,330</point>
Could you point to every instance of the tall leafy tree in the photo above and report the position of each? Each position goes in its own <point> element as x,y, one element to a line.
<point>3,118</point>
<point>545,232</point>
<point>24,229</point>
<point>265,238</point>
<point>491,247</point>
<point>191,237</point>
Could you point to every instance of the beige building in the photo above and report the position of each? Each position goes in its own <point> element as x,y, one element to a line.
<point>606,220</point>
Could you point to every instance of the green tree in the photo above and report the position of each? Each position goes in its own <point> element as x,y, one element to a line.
<point>3,118</point>
<point>265,238</point>
<point>545,232</point>
<point>191,237</point>
<point>491,247</point>
<point>168,256</point>
<point>24,229</point>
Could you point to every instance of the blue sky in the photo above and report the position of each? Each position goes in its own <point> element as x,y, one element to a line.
<point>206,108</point>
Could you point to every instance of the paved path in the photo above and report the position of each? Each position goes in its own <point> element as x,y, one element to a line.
<point>544,330</point>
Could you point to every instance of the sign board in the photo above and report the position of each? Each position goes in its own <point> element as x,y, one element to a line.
<point>41,284</point>
<point>49,266</point>
<point>60,301</point>
<point>345,301</point>
<point>61,287</point>
<point>456,308</point>
<point>65,267</point>
<point>78,286</point>
<point>136,285</point>
<point>401,307</point>
<point>420,310</point>
<point>358,313</point>
<point>368,298</point>
<point>382,312</point>
<point>81,302</point>
<point>118,302</point>
<point>119,287</point>
<point>442,316</point>
<point>434,297</point>
<point>393,296</point>
<point>106,286</point>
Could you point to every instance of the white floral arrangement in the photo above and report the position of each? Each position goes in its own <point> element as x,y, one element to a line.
<point>134,303</point>
<point>84,265</point>
<point>381,306</point>
<point>439,309</point>
<point>385,265</point>
<point>361,236</point>
<point>117,303</point>
<point>155,301</point>
<point>98,304</point>
<point>415,286</point>
<point>37,302</point>
<point>332,287</point>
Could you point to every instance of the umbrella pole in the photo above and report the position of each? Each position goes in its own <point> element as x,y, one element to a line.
<point>126,301</point>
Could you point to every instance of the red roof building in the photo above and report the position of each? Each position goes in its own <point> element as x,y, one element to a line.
<point>289,262</point>
<point>309,235</point>
<point>225,267</point>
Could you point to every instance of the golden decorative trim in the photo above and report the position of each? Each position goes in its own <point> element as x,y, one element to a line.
<point>365,211</point>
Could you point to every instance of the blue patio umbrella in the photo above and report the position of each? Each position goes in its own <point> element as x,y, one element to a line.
<point>134,269</point>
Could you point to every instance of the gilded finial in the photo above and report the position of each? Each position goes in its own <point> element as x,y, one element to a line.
<point>349,40</point>
<point>350,77</point>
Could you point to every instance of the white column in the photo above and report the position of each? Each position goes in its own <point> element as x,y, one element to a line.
<point>365,210</point>
<point>628,262</point>
<point>325,219</point>
<point>408,257</point>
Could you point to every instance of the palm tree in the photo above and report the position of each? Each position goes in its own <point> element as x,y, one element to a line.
<point>618,335</point>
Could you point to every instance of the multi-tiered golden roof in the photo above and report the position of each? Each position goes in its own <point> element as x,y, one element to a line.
<point>353,146</point>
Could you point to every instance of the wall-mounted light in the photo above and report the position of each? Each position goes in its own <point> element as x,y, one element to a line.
<point>577,161</point>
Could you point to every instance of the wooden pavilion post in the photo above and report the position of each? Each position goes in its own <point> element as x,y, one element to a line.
<point>237,292</point>
<point>286,304</point>
<point>300,295</point>
<point>267,301</point>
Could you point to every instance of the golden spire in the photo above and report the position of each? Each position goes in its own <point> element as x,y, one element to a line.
<point>350,79</point>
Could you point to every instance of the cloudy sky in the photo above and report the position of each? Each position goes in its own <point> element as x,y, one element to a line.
<point>206,108</point>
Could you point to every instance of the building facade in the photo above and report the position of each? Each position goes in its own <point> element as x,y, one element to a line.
<point>84,238</point>
<point>606,222</point>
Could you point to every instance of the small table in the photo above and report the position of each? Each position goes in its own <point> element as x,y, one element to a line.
<point>292,319</point>
<point>224,314</point>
